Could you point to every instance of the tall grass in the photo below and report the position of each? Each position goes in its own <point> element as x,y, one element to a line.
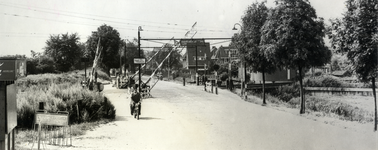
<point>60,92</point>
<point>288,96</point>
<point>343,110</point>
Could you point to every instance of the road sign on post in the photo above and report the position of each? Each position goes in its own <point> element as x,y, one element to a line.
<point>139,60</point>
<point>184,42</point>
<point>51,119</point>
<point>11,69</point>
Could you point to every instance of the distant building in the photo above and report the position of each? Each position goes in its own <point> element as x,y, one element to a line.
<point>202,55</point>
<point>221,57</point>
<point>278,76</point>
<point>225,55</point>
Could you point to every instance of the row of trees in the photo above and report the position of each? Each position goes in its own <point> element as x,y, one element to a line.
<point>287,36</point>
<point>63,52</point>
<point>291,36</point>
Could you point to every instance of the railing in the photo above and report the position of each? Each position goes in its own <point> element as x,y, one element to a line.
<point>318,91</point>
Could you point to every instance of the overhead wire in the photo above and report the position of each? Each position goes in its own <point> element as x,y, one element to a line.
<point>22,7</point>
<point>64,13</point>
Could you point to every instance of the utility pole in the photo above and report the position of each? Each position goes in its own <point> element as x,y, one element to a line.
<point>229,69</point>
<point>140,78</point>
<point>125,55</point>
<point>197,79</point>
<point>120,62</point>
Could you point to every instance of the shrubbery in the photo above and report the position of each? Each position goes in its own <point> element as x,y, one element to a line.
<point>343,110</point>
<point>61,92</point>
<point>290,95</point>
<point>286,92</point>
<point>326,81</point>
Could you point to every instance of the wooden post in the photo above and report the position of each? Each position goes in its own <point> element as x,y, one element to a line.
<point>9,141</point>
<point>2,115</point>
<point>70,135</point>
<point>13,138</point>
<point>39,135</point>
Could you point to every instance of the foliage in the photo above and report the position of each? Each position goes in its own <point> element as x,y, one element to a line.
<point>343,110</point>
<point>248,41</point>
<point>325,81</point>
<point>61,92</point>
<point>294,36</point>
<point>40,64</point>
<point>173,62</point>
<point>356,34</point>
<point>131,53</point>
<point>286,93</point>
<point>64,50</point>
<point>110,42</point>
<point>327,107</point>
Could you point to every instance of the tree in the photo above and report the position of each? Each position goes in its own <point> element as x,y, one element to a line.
<point>64,50</point>
<point>110,42</point>
<point>356,34</point>
<point>131,53</point>
<point>294,36</point>
<point>248,42</point>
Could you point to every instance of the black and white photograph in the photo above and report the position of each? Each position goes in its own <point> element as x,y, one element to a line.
<point>188,74</point>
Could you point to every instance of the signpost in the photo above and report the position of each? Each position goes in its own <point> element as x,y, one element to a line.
<point>184,42</point>
<point>60,119</point>
<point>10,70</point>
<point>51,119</point>
<point>139,60</point>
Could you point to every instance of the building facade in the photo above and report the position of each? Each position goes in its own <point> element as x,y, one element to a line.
<point>197,57</point>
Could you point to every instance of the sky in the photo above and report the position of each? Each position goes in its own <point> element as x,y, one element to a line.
<point>26,25</point>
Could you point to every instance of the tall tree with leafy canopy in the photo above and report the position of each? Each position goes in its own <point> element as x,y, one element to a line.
<point>131,53</point>
<point>110,42</point>
<point>64,50</point>
<point>248,42</point>
<point>293,34</point>
<point>173,61</point>
<point>356,35</point>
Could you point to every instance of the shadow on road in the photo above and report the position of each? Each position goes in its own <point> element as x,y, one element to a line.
<point>149,118</point>
<point>121,118</point>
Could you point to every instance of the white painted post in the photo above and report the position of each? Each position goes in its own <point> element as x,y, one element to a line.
<point>39,135</point>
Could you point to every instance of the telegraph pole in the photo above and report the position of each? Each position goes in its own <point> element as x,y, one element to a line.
<point>197,67</point>
<point>140,78</point>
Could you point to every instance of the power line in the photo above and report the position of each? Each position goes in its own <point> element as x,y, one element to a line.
<point>51,11</point>
<point>28,7</point>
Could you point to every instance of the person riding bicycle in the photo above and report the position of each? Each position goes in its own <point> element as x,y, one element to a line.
<point>135,98</point>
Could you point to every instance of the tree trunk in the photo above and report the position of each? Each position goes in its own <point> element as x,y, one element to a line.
<point>302,111</point>
<point>375,104</point>
<point>263,87</point>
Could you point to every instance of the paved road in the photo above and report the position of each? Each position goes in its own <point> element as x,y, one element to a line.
<point>186,117</point>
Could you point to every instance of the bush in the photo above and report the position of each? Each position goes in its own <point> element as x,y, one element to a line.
<point>318,73</point>
<point>343,110</point>
<point>61,92</point>
<point>287,92</point>
<point>327,81</point>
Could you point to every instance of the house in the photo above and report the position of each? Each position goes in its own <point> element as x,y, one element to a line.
<point>197,57</point>
<point>225,55</point>
<point>228,55</point>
